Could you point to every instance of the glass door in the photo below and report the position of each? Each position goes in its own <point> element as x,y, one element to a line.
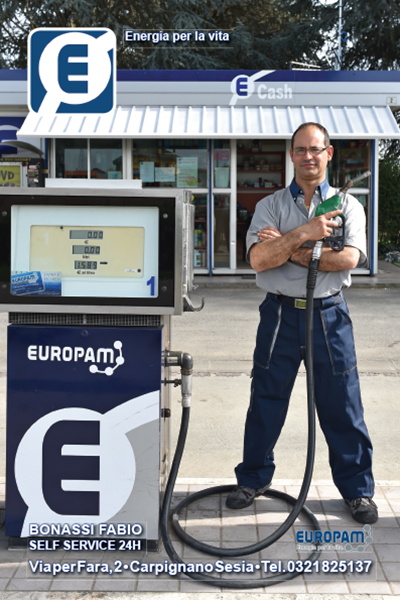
<point>260,172</point>
<point>351,158</point>
<point>222,238</point>
<point>221,205</point>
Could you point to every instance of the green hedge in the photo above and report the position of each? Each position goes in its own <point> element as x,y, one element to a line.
<point>389,204</point>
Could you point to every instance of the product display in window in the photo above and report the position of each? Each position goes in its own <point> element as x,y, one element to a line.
<point>170,163</point>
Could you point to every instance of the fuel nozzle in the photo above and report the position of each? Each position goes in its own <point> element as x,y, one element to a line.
<point>351,182</point>
<point>336,240</point>
<point>333,202</point>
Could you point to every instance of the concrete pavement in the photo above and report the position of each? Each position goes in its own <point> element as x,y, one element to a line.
<point>221,339</point>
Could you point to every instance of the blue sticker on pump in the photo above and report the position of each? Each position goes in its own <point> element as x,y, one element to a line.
<point>51,282</point>
<point>26,284</point>
<point>36,283</point>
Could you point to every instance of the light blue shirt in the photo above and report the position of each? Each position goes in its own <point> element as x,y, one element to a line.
<point>285,210</point>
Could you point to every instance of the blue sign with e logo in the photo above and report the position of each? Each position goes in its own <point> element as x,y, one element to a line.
<point>242,85</point>
<point>71,71</point>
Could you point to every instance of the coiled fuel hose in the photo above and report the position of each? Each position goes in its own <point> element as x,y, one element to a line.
<point>186,363</point>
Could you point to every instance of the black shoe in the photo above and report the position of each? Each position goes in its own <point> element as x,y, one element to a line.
<point>243,496</point>
<point>363,510</point>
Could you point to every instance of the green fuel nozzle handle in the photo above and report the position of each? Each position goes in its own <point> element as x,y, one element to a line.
<point>333,202</point>
<point>337,239</point>
<point>328,205</point>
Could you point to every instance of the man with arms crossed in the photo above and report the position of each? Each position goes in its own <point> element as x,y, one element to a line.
<point>280,241</point>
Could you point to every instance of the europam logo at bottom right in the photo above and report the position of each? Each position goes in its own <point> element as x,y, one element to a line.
<point>353,540</point>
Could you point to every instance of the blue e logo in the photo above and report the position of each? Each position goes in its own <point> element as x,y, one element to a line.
<point>242,85</point>
<point>59,468</point>
<point>71,71</point>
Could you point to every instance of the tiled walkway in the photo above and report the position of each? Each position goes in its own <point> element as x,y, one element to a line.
<point>210,521</point>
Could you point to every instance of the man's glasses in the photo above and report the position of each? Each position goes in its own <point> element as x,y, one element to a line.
<point>314,151</point>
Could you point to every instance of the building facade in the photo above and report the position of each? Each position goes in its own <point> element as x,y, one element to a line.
<point>224,135</point>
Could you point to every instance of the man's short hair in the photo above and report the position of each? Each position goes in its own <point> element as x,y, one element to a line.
<point>327,140</point>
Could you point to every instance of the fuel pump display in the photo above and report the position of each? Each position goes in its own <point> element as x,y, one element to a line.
<point>107,248</point>
<point>111,252</point>
<point>73,252</point>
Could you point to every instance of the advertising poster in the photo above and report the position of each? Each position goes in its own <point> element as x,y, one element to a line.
<point>147,171</point>
<point>10,175</point>
<point>166,174</point>
<point>187,171</point>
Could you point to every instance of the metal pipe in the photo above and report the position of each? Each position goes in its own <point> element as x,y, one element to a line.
<point>185,361</point>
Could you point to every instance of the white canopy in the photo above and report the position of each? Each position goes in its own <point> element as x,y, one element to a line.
<point>362,122</point>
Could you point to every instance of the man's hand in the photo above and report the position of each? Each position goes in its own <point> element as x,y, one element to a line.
<point>268,233</point>
<point>321,227</point>
<point>275,249</point>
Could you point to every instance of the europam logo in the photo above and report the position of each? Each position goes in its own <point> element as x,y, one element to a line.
<point>349,540</point>
<point>71,71</point>
<point>77,353</point>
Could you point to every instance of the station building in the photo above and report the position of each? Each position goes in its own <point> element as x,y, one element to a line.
<point>224,135</point>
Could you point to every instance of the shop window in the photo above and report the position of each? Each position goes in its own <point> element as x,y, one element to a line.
<point>105,159</point>
<point>71,159</point>
<point>260,172</point>
<point>222,163</point>
<point>350,159</point>
<point>170,163</point>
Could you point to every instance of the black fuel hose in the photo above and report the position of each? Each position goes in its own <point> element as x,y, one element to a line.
<point>298,504</point>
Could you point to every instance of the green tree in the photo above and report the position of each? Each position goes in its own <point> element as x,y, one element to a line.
<point>264,33</point>
<point>19,18</point>
<point>389,203</point>
<point>248,22</point>
<point>389,148</point>
<point>252,25</point>
<point>373,27</point>
<point>302,35</point>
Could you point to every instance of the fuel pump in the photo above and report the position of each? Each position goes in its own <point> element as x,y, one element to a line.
<point>90,279</point>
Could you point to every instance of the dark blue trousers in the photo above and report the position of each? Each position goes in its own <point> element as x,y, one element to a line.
<point>280,348</point>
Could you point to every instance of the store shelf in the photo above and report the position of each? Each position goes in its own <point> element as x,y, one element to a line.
<point>255,167</point>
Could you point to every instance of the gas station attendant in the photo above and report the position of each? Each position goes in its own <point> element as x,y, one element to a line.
<point>279,242</point>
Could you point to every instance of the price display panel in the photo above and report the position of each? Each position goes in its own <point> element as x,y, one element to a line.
<point>112,252</point>
<point>95,250</point>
